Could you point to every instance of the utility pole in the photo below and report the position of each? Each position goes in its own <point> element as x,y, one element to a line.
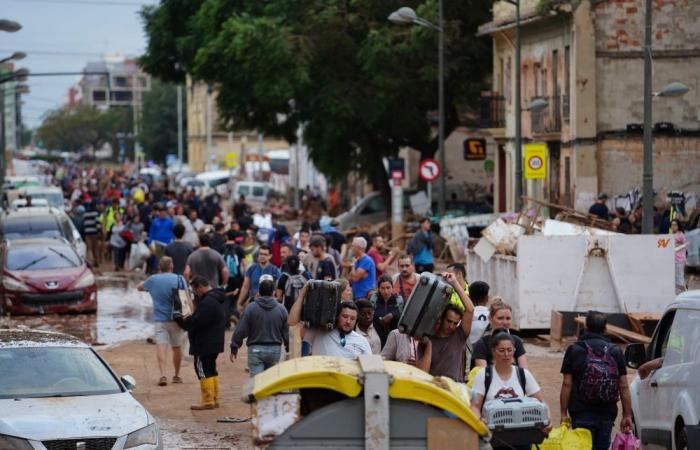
<point>134,107</point>
<point>179,125</point>
<point>209,126</point>
<point>648,170</point>
<point>441,111</point>
<point>518,115</point>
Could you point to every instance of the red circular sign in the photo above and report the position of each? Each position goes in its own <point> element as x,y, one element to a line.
<point>429,170</point>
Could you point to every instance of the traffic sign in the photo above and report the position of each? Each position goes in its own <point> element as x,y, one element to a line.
<point>429,170</point>
<point>474,149</point>
<point>535,161</point>
<point>231,159</point>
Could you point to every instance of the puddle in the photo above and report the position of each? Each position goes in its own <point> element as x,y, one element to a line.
<point>123,314</point>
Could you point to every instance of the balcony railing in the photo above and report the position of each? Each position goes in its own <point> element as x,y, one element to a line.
<point>492,111</point>
<point>565,106</point>
<point>549,119</point>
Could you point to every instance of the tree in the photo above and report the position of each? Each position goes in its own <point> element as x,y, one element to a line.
<point>159,121</point>
<point>83,127</point>
<point>361,86</point>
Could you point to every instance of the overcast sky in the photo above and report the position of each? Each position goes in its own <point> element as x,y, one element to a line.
<point>61,36</point>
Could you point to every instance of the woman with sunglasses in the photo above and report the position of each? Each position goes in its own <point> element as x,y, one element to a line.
<point>503,380</point>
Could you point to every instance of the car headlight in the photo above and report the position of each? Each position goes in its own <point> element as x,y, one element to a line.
<point>14,285</point>
<point>14,443</point>
<point>86,280</point>
<point>144,436</point>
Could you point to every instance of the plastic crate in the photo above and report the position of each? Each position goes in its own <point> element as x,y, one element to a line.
<point>515,413</point>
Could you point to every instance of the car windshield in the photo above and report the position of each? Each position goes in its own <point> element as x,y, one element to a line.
<point>41,258</point>
<point>53,372</point>
<point>24,227</point>
<point>54,198</point>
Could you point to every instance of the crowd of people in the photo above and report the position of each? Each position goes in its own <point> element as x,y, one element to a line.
<point>249,272</point>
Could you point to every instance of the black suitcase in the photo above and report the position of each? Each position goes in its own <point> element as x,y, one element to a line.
<point>321,304</point>
<point>425,306</point>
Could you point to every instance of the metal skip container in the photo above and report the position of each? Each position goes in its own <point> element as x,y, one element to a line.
<point>609,273</point>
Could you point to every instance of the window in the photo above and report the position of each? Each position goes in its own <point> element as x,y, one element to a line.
<point>375,205</point>
<point>41,258</point>
<point>99,96</point>
<point>258,191</point>
<point>683,341</point>
<point>567,68</point>
<point>660,341</point>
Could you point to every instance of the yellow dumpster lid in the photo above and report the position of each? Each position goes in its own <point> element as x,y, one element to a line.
<point>345,376</point>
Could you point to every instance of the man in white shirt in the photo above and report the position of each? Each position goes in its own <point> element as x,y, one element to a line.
<point>342,341</point>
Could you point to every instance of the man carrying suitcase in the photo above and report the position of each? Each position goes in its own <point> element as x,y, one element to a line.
<point>342,340</point>
<point>444,353</point>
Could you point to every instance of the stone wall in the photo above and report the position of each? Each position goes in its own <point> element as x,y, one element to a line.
<point>676,163</point>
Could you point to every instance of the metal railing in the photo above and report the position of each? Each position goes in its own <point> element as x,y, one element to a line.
<point>492,110</point>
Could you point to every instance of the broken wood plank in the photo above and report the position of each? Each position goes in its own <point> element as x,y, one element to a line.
<point>620,333</point>
<point>556,332</point>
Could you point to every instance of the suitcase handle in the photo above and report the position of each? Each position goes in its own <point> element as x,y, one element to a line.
<point>512,400</point>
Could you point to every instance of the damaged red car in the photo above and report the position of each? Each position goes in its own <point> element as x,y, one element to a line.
<point>45,275</point>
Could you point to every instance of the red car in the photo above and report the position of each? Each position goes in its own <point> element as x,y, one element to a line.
<point>45,275</point>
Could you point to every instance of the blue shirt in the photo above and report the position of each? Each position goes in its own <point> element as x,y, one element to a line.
<point>255,271</point>
<point>361,288</point>
<point>161,286</point>
<point>423,257</point>
<point>161,230</point>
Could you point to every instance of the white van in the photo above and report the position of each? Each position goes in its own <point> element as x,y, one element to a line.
<point>53,195</point>
<point>666,404</point>
<point>255,193</point>
<point>216,179</point>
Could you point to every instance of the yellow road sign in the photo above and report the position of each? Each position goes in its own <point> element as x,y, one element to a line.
<point>535,161</point>
<point>231,159</point>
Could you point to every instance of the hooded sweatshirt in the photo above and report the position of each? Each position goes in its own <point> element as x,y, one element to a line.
<point>207,325</point>
<point>264,322</point>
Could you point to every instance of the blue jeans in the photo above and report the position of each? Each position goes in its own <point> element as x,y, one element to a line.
<point>262,357</point>
<point>600,428</point>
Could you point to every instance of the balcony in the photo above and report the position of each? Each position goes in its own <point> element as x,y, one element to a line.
<point>549,119</point>
<point>492,113</point>
<point>565,105</point>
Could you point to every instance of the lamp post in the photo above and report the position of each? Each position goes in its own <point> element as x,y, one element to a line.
<point>16,56</point>
<point>518,113</point>
<point>406,15</point>
<point>674,89</point>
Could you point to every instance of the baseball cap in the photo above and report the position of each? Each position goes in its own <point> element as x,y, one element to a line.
<point>266,277</point>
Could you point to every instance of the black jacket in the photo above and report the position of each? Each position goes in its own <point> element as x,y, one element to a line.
<point>206,327</point>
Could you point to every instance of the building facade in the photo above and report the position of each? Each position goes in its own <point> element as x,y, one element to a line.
<point>114,81</point>
<point>585,59</point>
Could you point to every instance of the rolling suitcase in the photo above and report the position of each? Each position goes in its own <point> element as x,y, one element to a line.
<point>425,306</point>
<point>321,304</point>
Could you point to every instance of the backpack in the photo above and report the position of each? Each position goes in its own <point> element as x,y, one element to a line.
<point>294,285</point>
<point>599,382</point>
<point>232,263</point>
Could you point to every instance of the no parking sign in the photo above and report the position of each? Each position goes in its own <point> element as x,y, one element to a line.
<point>535,161</point>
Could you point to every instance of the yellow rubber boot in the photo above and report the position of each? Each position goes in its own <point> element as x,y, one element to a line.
<point>206,386</point>
<point>216,391</point>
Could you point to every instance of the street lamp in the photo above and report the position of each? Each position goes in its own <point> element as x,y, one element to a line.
<point>406,15</point>
<point>537,105</point>
<point>17,75</point>
<point>9,25</point>
<point>16,56</point>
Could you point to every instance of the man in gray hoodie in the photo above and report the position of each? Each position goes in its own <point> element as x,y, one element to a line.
<point>264,323</point>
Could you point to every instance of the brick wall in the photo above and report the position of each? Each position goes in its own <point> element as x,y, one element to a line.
<point>676,162</point>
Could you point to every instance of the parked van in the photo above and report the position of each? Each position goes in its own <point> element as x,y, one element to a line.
<point>666,404</point>
<point>255,192</point>
<point>53,195</point>
<point>216,179</point>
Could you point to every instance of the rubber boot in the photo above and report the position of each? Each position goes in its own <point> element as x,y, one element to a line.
<point>206,386</point>
<point>216,391</point>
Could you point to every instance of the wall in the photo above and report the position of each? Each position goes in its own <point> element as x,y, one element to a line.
<point>676,162</point>
<point>619,35</point>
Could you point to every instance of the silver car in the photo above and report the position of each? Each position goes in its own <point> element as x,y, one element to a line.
<point>57,393</point>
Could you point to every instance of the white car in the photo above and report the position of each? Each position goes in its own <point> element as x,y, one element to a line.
<point>666,404</point>
<point>57,393</point>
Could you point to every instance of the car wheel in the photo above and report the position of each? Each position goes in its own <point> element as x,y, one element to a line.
<point>682,439</point>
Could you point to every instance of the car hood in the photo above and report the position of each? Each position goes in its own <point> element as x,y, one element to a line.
<point>38,278</point>
<point>111,415</point>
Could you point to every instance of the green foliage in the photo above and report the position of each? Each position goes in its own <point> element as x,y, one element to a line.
<point>77,128</point>
<point>159,121</point>
<point>362,86</point>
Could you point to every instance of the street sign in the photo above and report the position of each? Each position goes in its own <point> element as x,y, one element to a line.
<point>474,149</point>
<point>535,161</point>
<point>231,160</point>
<point>397,165</point>
<point>429,170</point>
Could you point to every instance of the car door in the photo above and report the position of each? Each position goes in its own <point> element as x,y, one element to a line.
<point>374,211</point>
<point>646,417</point>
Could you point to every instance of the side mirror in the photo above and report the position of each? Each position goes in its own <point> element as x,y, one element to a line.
<point>635,355</point>
<point>129,382</point>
